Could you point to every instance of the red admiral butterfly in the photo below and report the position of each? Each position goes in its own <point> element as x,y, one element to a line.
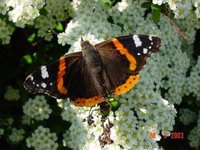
<point>88,77</point>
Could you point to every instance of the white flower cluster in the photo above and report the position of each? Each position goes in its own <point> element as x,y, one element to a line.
<point>37,108</point>
<point>42,139</point>
<point>21,12</point>
<point>24,13</point>
<point>55,12</point>
<point>129,130</point>
<point>181,8</point>
<point>86,136</point>
<point>6,122</point>
<point>193,81</point>
<point>6,31</point>
<point>12,94</point>
<point>197,5</point>
<point>173,58</point>
<point>87,25</point>
<point>187,116</point>
<point>26,120</point>
<point>139,116</point>
<point>17,135</point>
<point>194,135</point>
<point>123,16</point>
<point>188,26</point>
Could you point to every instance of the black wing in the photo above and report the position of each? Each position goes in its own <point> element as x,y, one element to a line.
<point>123,58</point>
<point>68,77</point>
<point>50,79</point>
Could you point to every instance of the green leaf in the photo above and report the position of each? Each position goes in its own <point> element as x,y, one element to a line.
<point>59,27</point>
<point>28,59</point>
<point>31,38</point>
<point>146,5</point>
<point>115,104</point>
<point>155,11</point>
<point>106,1</point>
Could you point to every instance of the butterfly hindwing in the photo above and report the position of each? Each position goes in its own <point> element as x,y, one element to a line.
<point>83,84</point>
<point>115,64</point>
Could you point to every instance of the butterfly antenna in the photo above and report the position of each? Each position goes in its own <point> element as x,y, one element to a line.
<point>88,29</point>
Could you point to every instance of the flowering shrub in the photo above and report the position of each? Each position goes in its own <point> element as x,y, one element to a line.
<point>37,31</point>
<point>11,94</point>
<point>16,135</point>
<point>37,108</point>
<point>42,139</point>
<point>181,8</point>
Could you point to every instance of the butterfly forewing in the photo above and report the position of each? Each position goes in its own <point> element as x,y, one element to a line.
<point>124,57</point>
<point>51,79</point>
<point>140,47</point>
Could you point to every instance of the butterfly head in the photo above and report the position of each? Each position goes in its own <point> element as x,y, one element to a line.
<point>87,47</point>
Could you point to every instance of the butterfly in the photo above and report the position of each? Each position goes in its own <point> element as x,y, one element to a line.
<point>88,77</point>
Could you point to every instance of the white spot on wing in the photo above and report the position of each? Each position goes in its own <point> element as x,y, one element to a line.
<point>43,85</point>
<point>138,54</point>
<point>149,47</point>
<point>145,50</point>
<point>44,72</point>
<point>137,41</point>
<point>37,85</point>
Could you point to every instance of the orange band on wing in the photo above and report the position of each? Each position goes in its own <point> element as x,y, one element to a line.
<point>61,73</point>
<point>88,101</point>
<point>125,52</point>
<point>130,82</point>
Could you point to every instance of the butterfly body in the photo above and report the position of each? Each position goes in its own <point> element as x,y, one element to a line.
<point>90,76</point>
<point>96,72</point>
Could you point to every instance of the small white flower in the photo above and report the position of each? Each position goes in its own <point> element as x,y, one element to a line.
<point>143,110</point>
<point>158,2</point>
<point>165,102</point>
<point>122,6</point>
<point>26,120</point>
<point>12,94</point>
<point>17,135</point>
<point>37,108</point>
<point>187,116</point>
<point>62,38</point>
<point>23,12</point>
<point>6,31</point>
<point>42,139</point>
